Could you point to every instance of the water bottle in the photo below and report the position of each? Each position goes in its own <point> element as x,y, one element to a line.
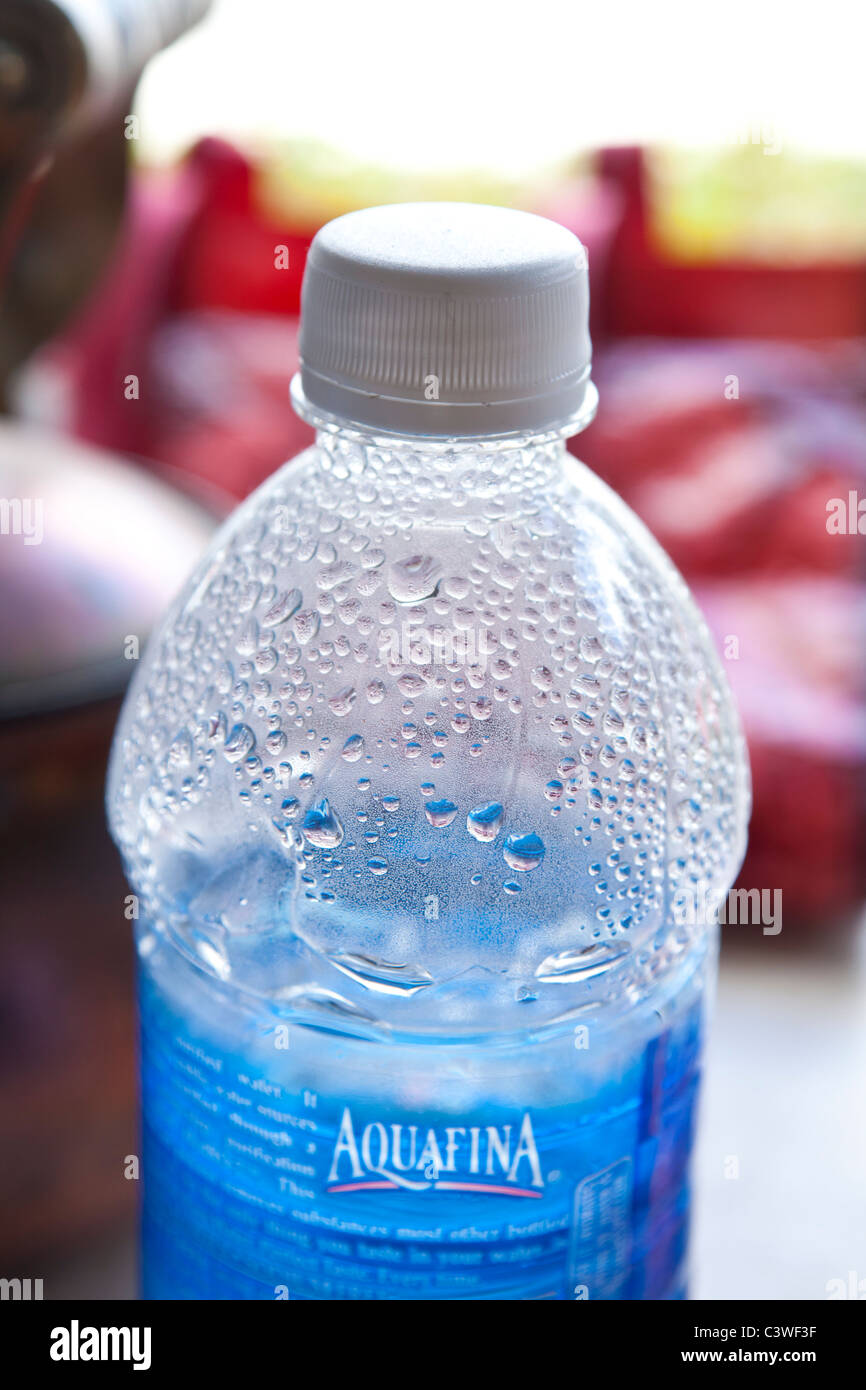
<point>413,788</point>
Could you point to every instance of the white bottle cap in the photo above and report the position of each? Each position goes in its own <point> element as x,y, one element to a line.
<point>446,320</point>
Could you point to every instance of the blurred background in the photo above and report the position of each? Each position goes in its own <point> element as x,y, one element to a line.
<point>157,198</point>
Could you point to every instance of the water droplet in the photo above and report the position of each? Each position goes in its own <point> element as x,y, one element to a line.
<point>180,751</point>
<point>506,574</point>
<point>282,608</point>
<point>542,678</point>
<point>523,852</point>
<point>248,638</point>
<point>440,813</point>
<point>342,702</point>
<point>240,743</point>
<point>414,579</point>
<point>305,625</point>
<point>377,867</point>
<point>411,685</point>
<point>353,748</point>
<point>332,575</point>
<point>484,822</point>
<point>321,826</point>
<point>375,692</point>
<point>390,803</point>
<point>217,728</point>
<point>553,790</point>
<point>688,813</point>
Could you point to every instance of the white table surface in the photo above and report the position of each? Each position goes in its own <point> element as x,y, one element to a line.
<point>785,1094</point>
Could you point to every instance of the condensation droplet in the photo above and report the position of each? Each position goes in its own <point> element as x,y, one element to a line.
<point>414,578</point>
<point>240,743</point>
<point>410,684</point>
<point>321,826</point>
<point>523,852</point>
<point>353,748</point>
<point>542,678</point>
<point>440,813</point>
<point>341,703</point>
<point>590,649</point>
<point>305,625</point>
<point>484,822</point>
<point>283,608</point>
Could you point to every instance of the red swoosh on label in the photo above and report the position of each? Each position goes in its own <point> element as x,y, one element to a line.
<point>446,1186</point>
<point>488,1187</point>
<point>363,1186</point>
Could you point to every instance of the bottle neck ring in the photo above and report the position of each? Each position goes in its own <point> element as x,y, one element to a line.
<point>324,422</point>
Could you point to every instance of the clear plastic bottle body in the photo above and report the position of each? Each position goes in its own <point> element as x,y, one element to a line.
<point>413,786</point>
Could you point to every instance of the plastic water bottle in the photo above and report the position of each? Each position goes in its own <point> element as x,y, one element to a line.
<point>412,787</point>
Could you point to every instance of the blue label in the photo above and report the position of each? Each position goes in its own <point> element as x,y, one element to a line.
<point>258,1188</point>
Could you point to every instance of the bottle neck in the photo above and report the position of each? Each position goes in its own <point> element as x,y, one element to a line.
<point>474,465</point>
<point>462,472</point>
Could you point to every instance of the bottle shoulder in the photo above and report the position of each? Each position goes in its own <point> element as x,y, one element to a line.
<point>423,730</point>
